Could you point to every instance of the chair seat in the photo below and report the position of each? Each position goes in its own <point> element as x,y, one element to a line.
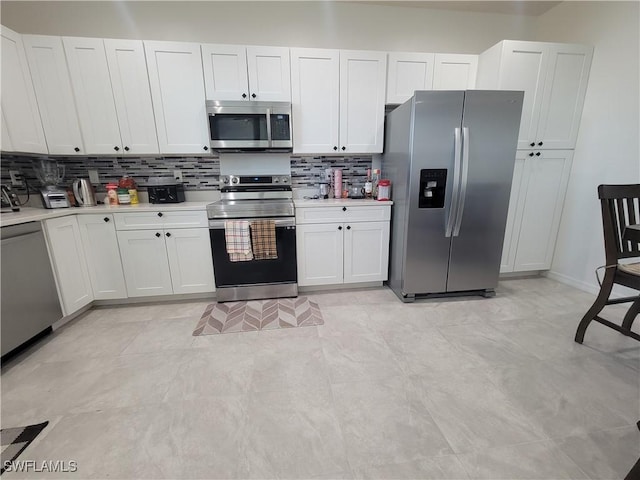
<point>630,268</point>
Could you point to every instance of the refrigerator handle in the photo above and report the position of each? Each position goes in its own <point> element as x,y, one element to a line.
<point>457,158</point>
<point>463,182</point>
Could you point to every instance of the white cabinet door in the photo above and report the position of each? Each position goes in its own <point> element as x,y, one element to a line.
<point>544,186</point>
<point>454,71</point>
<point>190,260</point>
<point>145,264</point>
<point>103,256</point>
<point>366,252</point>
<point>52,85</point>
<point>514,215</point>
<point>315,91</point>
<point>177,91</point>
<point>225,72</point>
<point>6,145</point>
<point>362,95</point>
<point>22,127</point>
<point>68,259</point>
<point>132,96</point>
<point>565,87</point>
<point>408,72</point>
<point>93,93</point>
<point>269,71</point>
<point>320,254</point>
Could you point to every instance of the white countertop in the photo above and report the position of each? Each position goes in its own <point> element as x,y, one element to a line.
<point>29,214</point>
<point>335,202</point>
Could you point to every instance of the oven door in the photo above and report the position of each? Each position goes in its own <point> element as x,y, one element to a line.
<point>279,270</point>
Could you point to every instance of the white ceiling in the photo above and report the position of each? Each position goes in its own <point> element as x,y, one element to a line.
<point>521,7</point>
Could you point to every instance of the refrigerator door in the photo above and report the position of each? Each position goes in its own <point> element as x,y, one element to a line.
<point>436,119</point>
<point>490,122</point>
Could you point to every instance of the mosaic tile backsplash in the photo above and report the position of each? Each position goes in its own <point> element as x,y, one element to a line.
<point>199,173</point>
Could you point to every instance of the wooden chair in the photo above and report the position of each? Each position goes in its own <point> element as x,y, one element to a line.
<point>619,204</point>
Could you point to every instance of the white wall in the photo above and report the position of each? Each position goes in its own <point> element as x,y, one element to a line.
<point>608,148</point>
<point>300,24</point>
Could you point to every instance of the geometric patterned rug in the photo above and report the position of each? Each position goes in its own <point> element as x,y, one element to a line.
<point>255,315</point>
<point>15,440</point>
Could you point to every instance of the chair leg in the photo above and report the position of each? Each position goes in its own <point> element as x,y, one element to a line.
<point>631,314</point>
<point>598,305</point>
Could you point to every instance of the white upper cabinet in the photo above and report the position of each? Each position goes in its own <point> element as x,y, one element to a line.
<point>236,72</point>
<point>337,101</point>
<point>177,92</point>
<point>554,80</point>
<point>407,73</point>
<point>454,71</point>
<point>91,84</point>
<point>52,85</point>
<point>21,125</point>
<point>132,96</point>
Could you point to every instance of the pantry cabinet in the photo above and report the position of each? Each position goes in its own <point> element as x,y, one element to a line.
<point>66,251</point>
<point>52,85</point>
<point>553,77</point>
<point>337,101</point>
<point>537,198</point>
<point>340,244</point>
<point>236,72</point>
<point>177,92</point>
<point>102,254</point>
<point>21,125</point>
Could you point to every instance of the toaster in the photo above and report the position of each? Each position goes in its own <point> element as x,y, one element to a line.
<point>167,193</point>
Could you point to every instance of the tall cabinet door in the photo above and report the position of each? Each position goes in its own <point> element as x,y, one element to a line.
<point>269,72</point>
<point>93,93</point>
<point>103,256</point>
<point>514,215</point>
<point>453,71</point>
<point>366,251</point>
<point>132,96</point>
<point>177,91</point>
<point>22,126</point>
<point>225,72</point>
<point>407,73</point>
<point>52,85</point>
<point>544,187</point>
<point>188,250</point>
<point>320,253</point>
<point>565,87</point>
<point>315,91</point>
<point>523,68</point>
<point>362,95</point>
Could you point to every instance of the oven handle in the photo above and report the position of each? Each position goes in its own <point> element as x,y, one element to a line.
<point>280,222</point>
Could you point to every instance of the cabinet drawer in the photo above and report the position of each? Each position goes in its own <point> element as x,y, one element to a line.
<point>160,219</point>
<point>345,213</point>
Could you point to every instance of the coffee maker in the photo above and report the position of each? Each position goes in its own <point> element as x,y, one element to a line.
<point>50,174</point>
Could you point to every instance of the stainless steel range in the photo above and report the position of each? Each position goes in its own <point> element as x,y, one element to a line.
<point>253,199</point>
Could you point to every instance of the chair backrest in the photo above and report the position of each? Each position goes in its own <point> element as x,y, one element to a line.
<point>620,208</point>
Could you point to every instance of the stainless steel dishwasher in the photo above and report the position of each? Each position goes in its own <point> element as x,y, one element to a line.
<point>30,302</point>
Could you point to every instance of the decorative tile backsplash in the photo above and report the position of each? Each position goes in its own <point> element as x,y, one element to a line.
<point>198,173</point>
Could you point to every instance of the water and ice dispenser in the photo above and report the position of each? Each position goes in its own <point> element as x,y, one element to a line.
<point>432,188</point>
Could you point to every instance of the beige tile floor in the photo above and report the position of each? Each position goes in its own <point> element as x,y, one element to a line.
<point>444,389</point>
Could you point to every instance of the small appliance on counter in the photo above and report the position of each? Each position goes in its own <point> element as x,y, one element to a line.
<point>84,193</point>
<point>50,175</point>
<point>165,190</point>
<point>9,200</point>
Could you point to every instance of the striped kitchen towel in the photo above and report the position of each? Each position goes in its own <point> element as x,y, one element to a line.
<point>238,240</point>
<point>263,239</point>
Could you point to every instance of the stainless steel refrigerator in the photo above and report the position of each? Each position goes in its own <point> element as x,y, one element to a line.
<point>450,157</point>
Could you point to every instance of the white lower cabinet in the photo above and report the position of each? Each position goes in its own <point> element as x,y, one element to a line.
<point>101,251</point>
<point>537,197</point>
<point>190,264</point>
<point>69,265</point>
<point>354,250</point>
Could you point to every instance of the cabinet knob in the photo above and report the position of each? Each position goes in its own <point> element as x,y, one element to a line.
<point>344,148</point>
<point>205,148</point>
<point>537,154</point>
<point>344,209</point>
<point>168,234</point>
<point>106,219</point>
<point>531,154</point>
<point>159,214</point>
<point>126,149</point>
<point>340,228</point>
<point>348,227</point>
<point>539,144</point>
<point>76,149</point>
<point>532,144</point>
<point>116,148</point>
<point>253,95</point>
<point>335,148</point>
<point>158,234</point>
<point>244,95</point>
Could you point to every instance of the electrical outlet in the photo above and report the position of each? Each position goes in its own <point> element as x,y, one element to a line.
<point>177,174</point>
<point>94,178</point>
<point>16,178</point>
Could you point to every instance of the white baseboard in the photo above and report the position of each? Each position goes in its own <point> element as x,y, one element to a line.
<point>579,284</point>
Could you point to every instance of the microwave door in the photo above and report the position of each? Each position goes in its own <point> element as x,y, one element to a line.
<point>239,130</point>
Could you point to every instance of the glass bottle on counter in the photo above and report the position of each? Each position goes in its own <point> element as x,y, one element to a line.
<point>368,185</point>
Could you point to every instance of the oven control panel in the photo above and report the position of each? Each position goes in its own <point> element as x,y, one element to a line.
<point>255,180</point>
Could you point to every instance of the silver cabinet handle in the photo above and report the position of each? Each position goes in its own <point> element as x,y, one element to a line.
<point>457,159</point>
<point>463,183</point>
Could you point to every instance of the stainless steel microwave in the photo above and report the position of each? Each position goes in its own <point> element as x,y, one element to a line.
<point>250,126</point>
